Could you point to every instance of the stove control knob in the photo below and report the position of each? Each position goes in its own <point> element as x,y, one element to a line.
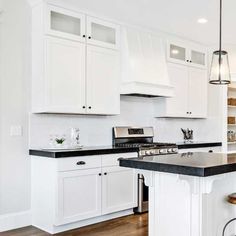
<point>170,150</point>
<point>147,153</point>
<point>162,151</point>
<point>175,150</point>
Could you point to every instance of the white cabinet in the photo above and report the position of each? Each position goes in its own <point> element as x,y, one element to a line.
<point>187,54</point>
<point>74,25</point>
<point>65,76</point>
<point>79,191</point>
<point>103,94</point>
<point>197,93</point>
<point>70,68</point>
<point>103,33</point>
<point>65,23</point>
<point>79,195</point>
<point>190,88</point>
<point>119,189</point>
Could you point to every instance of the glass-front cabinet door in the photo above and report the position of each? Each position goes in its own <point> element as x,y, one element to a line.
<point>198,58</point>
<point>176,53</point>
<point>102,33</point>
<point>65,23</point>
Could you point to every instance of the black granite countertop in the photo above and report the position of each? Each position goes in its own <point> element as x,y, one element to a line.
<point>85,151</point>
<point>182,145</point>
<point>194,164</point>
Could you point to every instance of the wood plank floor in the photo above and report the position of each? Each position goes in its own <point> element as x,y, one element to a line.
<point>134,225</point>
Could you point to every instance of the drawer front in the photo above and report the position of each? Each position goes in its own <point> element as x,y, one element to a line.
<point>78,163</point>
<point>113,159</point>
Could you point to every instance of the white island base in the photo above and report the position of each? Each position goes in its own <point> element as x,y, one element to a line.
<point>184,205</point>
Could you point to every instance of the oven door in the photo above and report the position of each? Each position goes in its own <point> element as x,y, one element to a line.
<point>142,196</point>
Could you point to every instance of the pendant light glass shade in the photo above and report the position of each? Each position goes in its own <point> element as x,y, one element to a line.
<point>220,72</point>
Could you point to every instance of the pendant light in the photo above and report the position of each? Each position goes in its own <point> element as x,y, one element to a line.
<point>220,72</point>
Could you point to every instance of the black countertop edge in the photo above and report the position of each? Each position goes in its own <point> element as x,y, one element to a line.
<point>178,169</point>
<point>198,145</point>
<point>80,152</point>
<point>167,168</point>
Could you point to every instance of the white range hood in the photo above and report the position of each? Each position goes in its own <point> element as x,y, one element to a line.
<point>144,68</point>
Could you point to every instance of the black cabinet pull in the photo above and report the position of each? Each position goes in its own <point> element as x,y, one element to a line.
<point>84,36</point>
<point>187,112</point>
<point>100,174</point>
<point>89,37</point>
<point>105,173</point>
<point>79,163</point>
<point>90,107</point>
<point>84,107</point>
<point>190,61</point>
<point>210,151</point>
<point>187,60</point>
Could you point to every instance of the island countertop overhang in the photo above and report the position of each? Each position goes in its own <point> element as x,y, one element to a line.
<point>193,164</point>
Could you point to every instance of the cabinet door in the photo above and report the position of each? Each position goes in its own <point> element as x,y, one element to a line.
<point>197,105</point>
<point>103,33</point>
<point>177,53</point>
<point>198,58</point>
<point>119,189</point>
<point>177,106</point>
<point>79,195</point>
<point>65,23</point>
<point>65,76</point>
<point>103,86</point>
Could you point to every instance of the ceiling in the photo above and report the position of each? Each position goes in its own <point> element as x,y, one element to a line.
<point>174,16</point>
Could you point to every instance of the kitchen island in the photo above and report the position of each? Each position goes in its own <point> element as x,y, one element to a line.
<point>188,192</point>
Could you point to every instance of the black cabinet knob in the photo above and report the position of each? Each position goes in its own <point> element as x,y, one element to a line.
<point>190,61</point>
<point>84,107</point>
<point>89,107</point>
<point>89,37</point>
<point>84,36</point>
<point>210,151</point>
<point>79,163</point>
<point>105,173</point>
<point>100,174</point>
<point>187,60</point>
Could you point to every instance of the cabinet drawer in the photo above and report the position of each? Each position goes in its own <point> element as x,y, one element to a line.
<point>78,163</point>
<point>112,159</point>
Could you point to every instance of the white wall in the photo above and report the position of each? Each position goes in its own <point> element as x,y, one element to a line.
<point>14,101</point>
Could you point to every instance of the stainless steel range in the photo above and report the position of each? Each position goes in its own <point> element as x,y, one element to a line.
<point>142,138</point>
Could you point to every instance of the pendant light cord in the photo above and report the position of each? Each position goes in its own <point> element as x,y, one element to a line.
<point>220,40</point>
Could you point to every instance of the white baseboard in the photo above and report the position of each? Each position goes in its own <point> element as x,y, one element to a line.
<point>15,220</point>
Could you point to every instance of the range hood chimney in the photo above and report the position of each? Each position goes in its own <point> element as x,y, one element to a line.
<point>144,67</point>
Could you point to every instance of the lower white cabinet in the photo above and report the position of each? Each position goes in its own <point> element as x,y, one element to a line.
<point>79,195</point>
<point>81,190</point>
<point>119,189</point>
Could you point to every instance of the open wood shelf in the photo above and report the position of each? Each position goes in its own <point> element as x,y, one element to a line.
<point>231,143</point>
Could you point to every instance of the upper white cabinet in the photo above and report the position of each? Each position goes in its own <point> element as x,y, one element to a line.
<point>65,23</point>
<point>78,26</point>
<point>73,57</point>
<point>187,54</point>
<point>65,82</point>
<point>103,33</point>
<point>103,69</point>
<point>190,100</point>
